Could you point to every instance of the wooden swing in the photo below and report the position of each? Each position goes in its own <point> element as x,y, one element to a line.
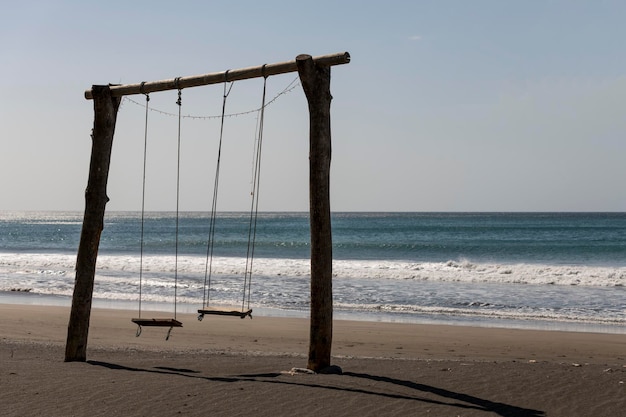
<point>159,322</point>
<point>245,311</point>
<point>218,312</point>
<point>314,74</point>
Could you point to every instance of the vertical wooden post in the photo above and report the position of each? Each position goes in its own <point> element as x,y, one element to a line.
<point>105,116</point>
<point>315,81</point>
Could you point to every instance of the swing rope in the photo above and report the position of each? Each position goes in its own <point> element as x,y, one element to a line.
<point>143,197</point>
<point>206,300</point>
<point>171,323</point>
<point>254,209</point>
<point>179,103</point>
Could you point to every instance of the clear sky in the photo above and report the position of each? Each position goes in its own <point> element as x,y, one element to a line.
<point>446,105</point>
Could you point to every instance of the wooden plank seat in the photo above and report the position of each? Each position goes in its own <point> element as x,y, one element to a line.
<point>158,322</point>
<point>218,312</point>
<point>171,323</point>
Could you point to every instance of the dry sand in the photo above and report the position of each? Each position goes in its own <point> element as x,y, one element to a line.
<point>225,366</point>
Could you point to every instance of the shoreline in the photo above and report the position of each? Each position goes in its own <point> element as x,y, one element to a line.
<point>235,367</point>
<point>112,328</point>
<point>30,298</point>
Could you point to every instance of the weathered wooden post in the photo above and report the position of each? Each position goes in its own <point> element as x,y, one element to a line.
<point>105,110</point>
<point>316,84</point>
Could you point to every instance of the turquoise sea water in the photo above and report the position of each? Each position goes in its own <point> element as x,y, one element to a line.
<point>557,270</point>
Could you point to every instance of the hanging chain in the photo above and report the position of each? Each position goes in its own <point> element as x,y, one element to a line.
<point>292,85</point>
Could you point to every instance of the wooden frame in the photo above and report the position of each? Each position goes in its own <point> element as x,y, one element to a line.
<point>314,74</point>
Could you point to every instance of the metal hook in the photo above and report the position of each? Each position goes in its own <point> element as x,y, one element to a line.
<point>141,90</point>
<point>177,85</point>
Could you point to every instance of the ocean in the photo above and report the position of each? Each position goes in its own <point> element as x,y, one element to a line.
<point>557,271</point>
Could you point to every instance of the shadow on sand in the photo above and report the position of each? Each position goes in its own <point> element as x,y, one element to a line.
<point>446,398</point>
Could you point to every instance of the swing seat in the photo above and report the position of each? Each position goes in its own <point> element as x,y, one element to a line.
<point>171,323</point>
<point>158,322</point>
<point>217,312</point>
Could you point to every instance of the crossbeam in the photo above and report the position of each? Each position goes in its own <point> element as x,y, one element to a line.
<point>220,77</point>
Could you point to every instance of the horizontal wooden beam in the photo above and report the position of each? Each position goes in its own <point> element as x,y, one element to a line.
<point>220,77</point>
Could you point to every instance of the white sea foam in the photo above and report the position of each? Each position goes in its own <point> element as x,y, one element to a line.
<point>464,271</point>
<point>545,314</point>
<point>123,269</point>
<point>446,290</point>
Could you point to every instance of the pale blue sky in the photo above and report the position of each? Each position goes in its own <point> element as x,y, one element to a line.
<point>446,105</point>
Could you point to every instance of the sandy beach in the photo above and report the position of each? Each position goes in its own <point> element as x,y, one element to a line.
<point>226,366</point>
